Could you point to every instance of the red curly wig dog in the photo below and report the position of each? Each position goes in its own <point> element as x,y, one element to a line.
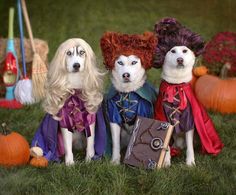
<point>114,44</point>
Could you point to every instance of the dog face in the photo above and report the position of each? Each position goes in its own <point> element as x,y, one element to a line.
<point>178,65</point>
<point>180,57</point>
<point>75,59</point>
<point>128,69</point>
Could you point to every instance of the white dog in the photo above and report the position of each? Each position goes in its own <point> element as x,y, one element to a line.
<point>128,75</point>
<point>73,72</point>
<point>127,57</point>
<point>176,53</point>
<point>177,68</point>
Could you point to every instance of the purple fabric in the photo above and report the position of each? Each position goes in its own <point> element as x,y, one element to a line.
<point>74,115</point>
<point>100,134</point>
<point>100,137</point>
<point>48,137</point>
<point>182,120</point>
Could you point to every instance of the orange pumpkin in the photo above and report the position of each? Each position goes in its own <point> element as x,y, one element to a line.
<point>193,81</point>
<point>200,70</point>
<point>39,162</point>
<point>197,72</point>
<point>14,149</point>
<point>217,94</point>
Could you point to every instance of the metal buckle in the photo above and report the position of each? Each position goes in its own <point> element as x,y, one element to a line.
<point>165,125</point>
<point>151,164</point>
<point>156,143</point>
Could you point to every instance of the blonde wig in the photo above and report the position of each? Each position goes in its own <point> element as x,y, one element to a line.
<point>57,86</point>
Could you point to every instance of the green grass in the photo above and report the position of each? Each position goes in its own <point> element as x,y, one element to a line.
<point>56,21</point>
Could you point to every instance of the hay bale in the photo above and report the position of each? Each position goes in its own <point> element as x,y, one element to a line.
<point>40,45</point>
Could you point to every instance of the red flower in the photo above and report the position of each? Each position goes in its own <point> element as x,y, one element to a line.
<point>220,50</point>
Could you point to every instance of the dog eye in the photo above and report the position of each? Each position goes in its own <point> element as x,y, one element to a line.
<point>81,52</point>
<point>134,62</point>
<point>185,51</point>
<point>120,63</point>
<point>173,51</point>
<point>68,53</point>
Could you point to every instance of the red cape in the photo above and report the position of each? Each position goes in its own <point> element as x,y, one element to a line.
<point>210,140</point>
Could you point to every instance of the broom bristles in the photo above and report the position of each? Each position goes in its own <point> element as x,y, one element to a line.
<point>23,91</point>
<point>39,77</point>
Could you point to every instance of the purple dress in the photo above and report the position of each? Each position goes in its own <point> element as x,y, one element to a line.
<point>48,137</point>
<point>74,115</point>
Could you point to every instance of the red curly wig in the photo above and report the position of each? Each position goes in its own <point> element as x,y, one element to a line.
<point>114,44</point>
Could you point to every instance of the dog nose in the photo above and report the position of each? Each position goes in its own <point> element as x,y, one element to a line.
<point>180,60</point>
<point>126,75</point>
<point>76,66</point>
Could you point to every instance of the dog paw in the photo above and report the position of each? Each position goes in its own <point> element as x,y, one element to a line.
<point>115,161</point>
<point>89,154</point>
<point>88,159</point>
<point>69,160</point>
<point>190,163</point>
<point>190,160</point>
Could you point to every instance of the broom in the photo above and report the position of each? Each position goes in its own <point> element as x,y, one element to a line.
<point>11,69</point>
<point>23,90</point>
<point>39,68</point>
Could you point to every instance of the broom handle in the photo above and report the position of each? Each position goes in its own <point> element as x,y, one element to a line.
<point>165,146</point>
<point>21,37</point>
<point>10,24</point>
<point>28,25</point>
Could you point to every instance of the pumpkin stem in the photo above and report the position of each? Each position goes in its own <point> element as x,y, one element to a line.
<point>5,130</point>
<point>224,70</point>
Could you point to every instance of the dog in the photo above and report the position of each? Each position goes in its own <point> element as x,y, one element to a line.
<point>73,95</point>
<point>127,57</point>
<point>176,52</point>
<point>177,69</point>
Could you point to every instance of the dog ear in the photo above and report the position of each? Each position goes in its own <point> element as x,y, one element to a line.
<point>107,44</point>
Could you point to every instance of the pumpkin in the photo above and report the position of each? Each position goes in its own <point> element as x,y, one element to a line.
<point>217,94</point>
<point>36,151</point>
<point>193,81</point>
<point>197,72</point>
<point>14,149</point>
<point>39,162</point>
<point>200,70</point>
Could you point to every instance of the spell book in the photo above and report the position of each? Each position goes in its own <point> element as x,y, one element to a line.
<point>148,144</point>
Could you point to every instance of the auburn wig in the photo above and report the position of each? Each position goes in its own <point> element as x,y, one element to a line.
<point>114,44</point>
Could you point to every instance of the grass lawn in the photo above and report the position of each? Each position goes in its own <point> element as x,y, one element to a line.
<point>56,21</point>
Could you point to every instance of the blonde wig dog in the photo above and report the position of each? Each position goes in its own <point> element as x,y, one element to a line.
<point>57,86</point>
